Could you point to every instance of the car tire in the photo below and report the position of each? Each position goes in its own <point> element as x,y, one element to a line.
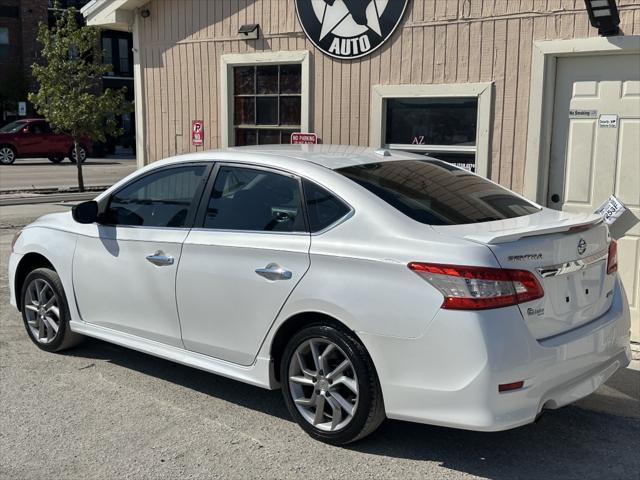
<point>352,407</point>
<point>56,159</point>
<point>82,153</point>
<point>7,155</point>
<point>45,311</point>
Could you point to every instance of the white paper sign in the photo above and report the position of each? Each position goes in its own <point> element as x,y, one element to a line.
<point>22,109</point>
<point>608,120</point>
<point>611,209</point>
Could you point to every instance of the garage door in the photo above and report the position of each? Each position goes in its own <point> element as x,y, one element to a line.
<point>595,149</point>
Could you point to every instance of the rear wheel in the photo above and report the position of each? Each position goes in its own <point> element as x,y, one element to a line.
<point>7,155</point>
<point>56,159</point>
<point>330,385</point>
<point>45,311</point>
<point>82,154</point>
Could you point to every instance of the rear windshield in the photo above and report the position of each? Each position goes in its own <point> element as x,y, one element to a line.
<point>436,193</point>
<point>13,127</point>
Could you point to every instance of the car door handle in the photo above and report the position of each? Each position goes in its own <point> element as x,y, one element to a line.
<point>160,259</point>
<point>273,271</point>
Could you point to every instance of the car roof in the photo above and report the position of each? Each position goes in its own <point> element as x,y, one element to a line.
<point>328,156</point>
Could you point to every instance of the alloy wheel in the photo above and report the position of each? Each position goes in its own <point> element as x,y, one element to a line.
<point>82,153</point>
<point>42,309</point>
<point>7,156</point>
<point>323,384</point>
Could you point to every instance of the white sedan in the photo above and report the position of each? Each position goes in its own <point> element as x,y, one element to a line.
<point>366,284</point>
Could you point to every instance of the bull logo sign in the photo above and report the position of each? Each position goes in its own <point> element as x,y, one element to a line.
<point>197,132</point>
<point>349,29</point>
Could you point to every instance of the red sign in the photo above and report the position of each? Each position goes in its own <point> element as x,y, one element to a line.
<point>304,139</point>
<point>197,132</point>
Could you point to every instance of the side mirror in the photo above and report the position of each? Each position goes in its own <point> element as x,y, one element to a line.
<point>85,212</point>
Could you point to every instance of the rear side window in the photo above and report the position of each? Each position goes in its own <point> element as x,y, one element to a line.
<point>323,208</point>
<point>255,200</point>
<point>435,193</point>
<point>161,199</point>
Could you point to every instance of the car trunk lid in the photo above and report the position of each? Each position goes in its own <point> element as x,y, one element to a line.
<point>568,255</point>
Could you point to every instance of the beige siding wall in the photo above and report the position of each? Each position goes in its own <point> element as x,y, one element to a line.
<point>443,41</point>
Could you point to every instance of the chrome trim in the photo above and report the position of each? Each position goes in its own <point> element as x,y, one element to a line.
<point>572,266</point>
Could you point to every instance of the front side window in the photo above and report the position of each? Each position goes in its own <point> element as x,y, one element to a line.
<point>161,199</point>
<point>436,193</point>
<point>254,200</point>
<point>323,208</point>
<point>267,103</point>
<point>4,36</point>
<point>443,127</point>
<point>13,127</point>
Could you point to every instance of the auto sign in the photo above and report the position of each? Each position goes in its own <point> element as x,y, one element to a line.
<point>349,29</point>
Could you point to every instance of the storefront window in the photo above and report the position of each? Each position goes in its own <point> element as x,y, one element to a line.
<point>267,103</point>
<point>443,127</point>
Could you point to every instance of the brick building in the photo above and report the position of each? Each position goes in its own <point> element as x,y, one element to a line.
<point>19,21</point>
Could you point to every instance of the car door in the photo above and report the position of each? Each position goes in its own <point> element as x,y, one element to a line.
<point>247,252</point>
<point>124,269</point>
<point>32,138</point>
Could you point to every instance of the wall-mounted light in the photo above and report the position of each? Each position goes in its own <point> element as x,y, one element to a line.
<point>145,13</point>
<point>603,14</point>
<point>250,32</point>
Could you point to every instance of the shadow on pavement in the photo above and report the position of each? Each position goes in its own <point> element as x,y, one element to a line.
<point>572,442</point>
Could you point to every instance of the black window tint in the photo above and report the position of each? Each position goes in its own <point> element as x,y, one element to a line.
<point>436,193</point>
<point>160,199</point>
<point>257,200</point>
<point>323,208</point>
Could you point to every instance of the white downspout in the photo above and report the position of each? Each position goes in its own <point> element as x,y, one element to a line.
<point>138,93</point>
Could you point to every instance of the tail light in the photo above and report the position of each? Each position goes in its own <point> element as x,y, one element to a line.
<point>479,288</point>
<point>612,260</point>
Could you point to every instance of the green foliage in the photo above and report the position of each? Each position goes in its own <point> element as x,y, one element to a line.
<point>70,95</point>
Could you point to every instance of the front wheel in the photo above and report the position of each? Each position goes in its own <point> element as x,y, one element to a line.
<point>7,155</point>
<point>45,311</point>
<point>330,385</point>
<point>82,154</point>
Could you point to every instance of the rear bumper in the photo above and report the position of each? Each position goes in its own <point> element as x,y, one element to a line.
<point>450,375</point>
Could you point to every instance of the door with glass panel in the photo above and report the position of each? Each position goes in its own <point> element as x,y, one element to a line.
<point>124,267</point>
<point>267,103</point>
<point>249,249</point>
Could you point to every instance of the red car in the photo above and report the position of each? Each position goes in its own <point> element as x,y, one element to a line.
<point>33,137</point>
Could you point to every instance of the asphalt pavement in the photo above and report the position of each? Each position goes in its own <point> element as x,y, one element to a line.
<point>102,411</point>
<point>39,173</point>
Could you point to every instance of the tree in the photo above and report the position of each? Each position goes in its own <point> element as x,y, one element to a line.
<point>69,77</point>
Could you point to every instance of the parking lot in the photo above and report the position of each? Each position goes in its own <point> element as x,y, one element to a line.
<point>102,411</point>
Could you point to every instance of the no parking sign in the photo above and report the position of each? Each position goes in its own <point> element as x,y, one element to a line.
<point>197,132</point>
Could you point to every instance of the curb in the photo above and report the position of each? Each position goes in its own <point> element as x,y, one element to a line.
<point>49,198</point>
<point>50,190</point>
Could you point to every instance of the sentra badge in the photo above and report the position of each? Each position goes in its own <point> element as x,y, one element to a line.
<point>349,28</point>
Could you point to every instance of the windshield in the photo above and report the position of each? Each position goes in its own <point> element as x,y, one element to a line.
<point>437,193</point>
<point>13,127</point>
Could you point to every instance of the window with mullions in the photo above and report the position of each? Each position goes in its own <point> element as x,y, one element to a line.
<point>442,127</point>
<point>267,103</point>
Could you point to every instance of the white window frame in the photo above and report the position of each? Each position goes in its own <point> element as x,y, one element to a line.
<point>227,64</point>
<point>481,91</point>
